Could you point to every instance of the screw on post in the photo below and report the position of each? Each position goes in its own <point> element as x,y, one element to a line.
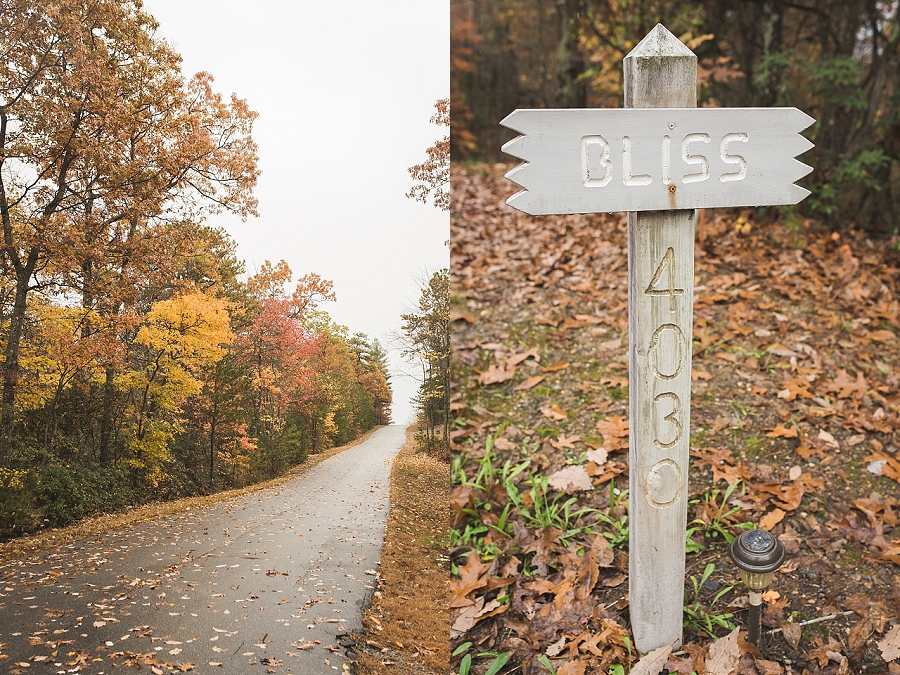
<point>757,554</point>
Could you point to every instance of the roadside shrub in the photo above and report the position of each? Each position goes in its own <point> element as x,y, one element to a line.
<point>66,493</point>
<point>18,514</point>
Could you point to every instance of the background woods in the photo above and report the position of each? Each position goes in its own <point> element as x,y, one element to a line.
<point>837,61</point>
<point>425,332</point>
<point>137,363</point>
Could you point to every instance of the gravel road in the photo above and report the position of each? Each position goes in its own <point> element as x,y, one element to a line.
<point>263,583</point>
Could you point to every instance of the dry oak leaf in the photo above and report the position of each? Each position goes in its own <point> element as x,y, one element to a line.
<point>565,441</point>
<point>653,662</point>
<point>780,431</point>
<point>572,668</point>
<point>469,616</point>
<point>597,455</point>
<point>614,431</point>
<point>828,440</point>
<point>496,374</point>
<point>798,386</point>
<point>473,575</point>
<point>771,519</point>
<point>553,367</point>
<point>516,359</point>
<point>890,644</point>
<point>461,316</point>
<point>860,633</point>
<point>529,382</point>
<point>791,632</point>
<point>724,655</point>
<point>887,465</point>
<point>845,386</point>
<point>554,412</point>
<point>571,479</point>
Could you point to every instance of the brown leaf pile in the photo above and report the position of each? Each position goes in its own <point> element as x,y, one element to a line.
<point>796,363</point>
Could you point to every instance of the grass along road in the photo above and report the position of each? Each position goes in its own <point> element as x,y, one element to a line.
<point>406,625</point>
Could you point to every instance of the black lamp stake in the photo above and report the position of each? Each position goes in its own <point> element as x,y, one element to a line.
<point>757,554</point>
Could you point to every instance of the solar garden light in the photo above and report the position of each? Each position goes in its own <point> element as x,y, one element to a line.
<point>757,554</point>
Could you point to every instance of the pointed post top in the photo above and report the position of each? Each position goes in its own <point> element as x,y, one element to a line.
<point>659,42</point>
<point>660,72</point>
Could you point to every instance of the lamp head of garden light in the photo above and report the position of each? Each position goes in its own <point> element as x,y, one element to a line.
<point>757,554</point>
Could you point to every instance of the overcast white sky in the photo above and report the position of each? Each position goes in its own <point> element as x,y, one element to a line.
<point>344,92</point>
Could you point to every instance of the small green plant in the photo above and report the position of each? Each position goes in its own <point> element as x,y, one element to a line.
<point>498,662</point>
<point>616,517</point>
<point>556,513</point>
<point>714,517</point>
<point>465,665</point>
<point>700,618</point>
<point>544,661</point>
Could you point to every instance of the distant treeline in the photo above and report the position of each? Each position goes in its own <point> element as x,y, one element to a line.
<point>837,60</point>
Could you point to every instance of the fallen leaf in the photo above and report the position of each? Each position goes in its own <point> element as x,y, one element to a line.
<point>516,359</point>
<point>570,479</point>
<point>553,367</point>
<point>554,412</point>
<point>529,382</point>
<point>859,634</point>
<point>614,431</point>
<point>827,439</point>
<point>572,668</point>
<point>496,374</point>
<point>780,431</point>
<point>473,575</point>
<point>792,632</point>
<point>724,655</point>
<point>598,456</point>
<point>890,644</point>
<point>653,662</point>
<point>771,519</point>
<point>565,441</point>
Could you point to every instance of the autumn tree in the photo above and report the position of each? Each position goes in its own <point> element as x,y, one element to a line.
<point>101,137</point>
<point>433,175</point>
<point>179,338</point>
<point>427,342</point>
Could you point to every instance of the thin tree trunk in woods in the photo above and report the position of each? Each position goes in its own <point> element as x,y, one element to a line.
<point>106,416</point>
<point>212,442</point>
<point>11,365</point>
<point>569,65</point>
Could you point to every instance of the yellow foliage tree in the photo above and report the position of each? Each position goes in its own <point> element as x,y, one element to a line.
<point>180,337</point>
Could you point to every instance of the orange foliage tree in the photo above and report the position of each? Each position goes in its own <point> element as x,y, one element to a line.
<point>101,137</point>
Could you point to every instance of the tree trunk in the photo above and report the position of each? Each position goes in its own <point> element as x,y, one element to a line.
<point>212,446</point>
<point>106,416</point>
<point>11,365</point>
<point>569,63</point>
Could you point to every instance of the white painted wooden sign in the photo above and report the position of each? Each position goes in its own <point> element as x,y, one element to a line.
<point>658,159</point>
<point>620,159</point>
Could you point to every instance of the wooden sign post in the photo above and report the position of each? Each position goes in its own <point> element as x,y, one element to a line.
<point>659,159</point>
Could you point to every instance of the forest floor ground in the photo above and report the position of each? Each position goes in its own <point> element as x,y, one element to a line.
<point>793,429</point>
<point>406,624</point>
<point>109,522</point>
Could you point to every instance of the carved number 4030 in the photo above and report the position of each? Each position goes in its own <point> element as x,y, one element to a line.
<point>668,262</point>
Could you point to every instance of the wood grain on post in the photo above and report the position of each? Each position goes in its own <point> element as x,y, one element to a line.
<point>660,72</point>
